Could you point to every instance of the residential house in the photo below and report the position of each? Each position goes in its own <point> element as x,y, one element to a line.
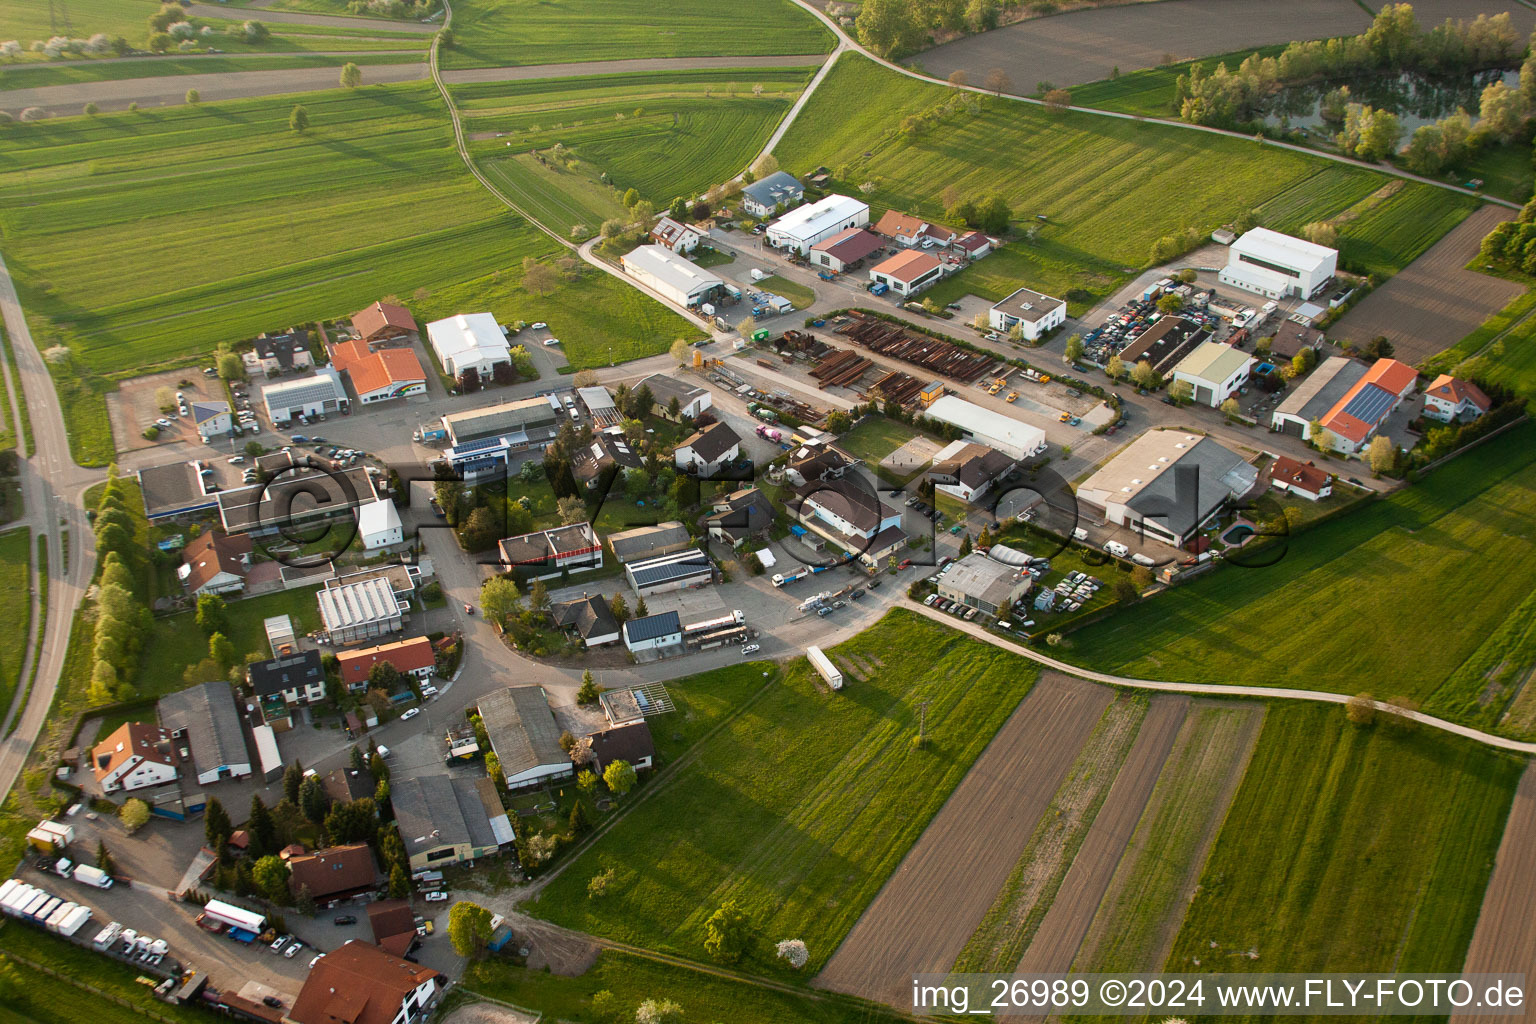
<point>561,549</point>
<point>205,729</point>
<point>212,419</point>
<point>974,244</point>
<point>817,462</point>
<point>969,471</point>
<point>851,515</point>
<point>675,235</point>
<point>1214,372</point>
<point>1451,400</point>
<point>414,657</point>
<point>908,231</point>
<point>740,516</point>
<point>1034,313</point>
<point>908,273</point>
<point>629,743</point>
<point>393,923</point>
<point>274,354</point>
<point>1303,479</point>
<point>135,755</point>
<point>379,526</point>
<point>771,195</point>
<point>215,563</point>
<point>1167,484</point>
<point>384,322</point>
<point>292,679</point>
<point>706,452</point>
<point>469,341</point>
<point>525,736</point>
<point>589,618</point>
<point>608,452</point>
<point>359,983</point>
<point>846,250</point>
<point>977,581</point>
<point>334,873</point>
<point>653,632</point>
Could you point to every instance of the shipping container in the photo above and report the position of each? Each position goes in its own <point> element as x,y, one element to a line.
<point>822,664</point>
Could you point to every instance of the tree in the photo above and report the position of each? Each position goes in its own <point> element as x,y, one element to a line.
<point>222,652</point>
<point>293,778</point>
<point>399,883</point>
<point>619,608</point>
<point>728,933</point>
<point>1115,367</point>
<point>767,163</point>
<point>271,876</point>
<point>159,42</point>
<point>1074,348</point>
<point>572,510</point>
<point>351,75</point>
<point>194,97</point>
<point>134,815</point>
<point>469,928</point>
<point>1321,232</point>
<point>480,531</point>
<point>1181,391</point>
<point>965,545</point>
<point>1170,304</point>
<point>660,1011</point>
<point>681,352</point>
<point>588,692</point>
<point>230,366</point>
<point>353,822</point>
<point>1399,711</point>
<point>382,675</point>
<point>1057,100</point>
<point>631,197</point>
<point>640,609</point>
<point>1144,375</point>
<point>998,82</point>
<point>1230,409</point>
<point>539,279</point>
<point>211,616</point>
<point>1381,454</point>
<point>794,952</point>
<point>255,31</point>
<point>261,828</point>
<point>619,777</point>
<point>888,27</point>
<point>312,799</point>
<point>586,781</point>
<point>499,598</point>
<point>216,824</point>
<point>1361,709</point>
<point>298,119</point>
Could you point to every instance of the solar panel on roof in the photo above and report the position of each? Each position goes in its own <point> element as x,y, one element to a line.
<point>1370,404</point>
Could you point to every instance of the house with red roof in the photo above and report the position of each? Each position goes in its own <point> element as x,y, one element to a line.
<point>384,322</point>
<point>846,249</point>
<point>1452,400</point>
<point>676,235</point>
<point>974,244</point>
<point>360,983</point>
<point>1356,417</point>
<point>1302,479</point>
<point>413,657</point>
<point>378,376</point>
<point>134,756</point>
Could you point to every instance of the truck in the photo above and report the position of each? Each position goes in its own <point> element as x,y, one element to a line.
<point>766,414</point>
<point>50,835</point>
<point>822,664</point>
<point>735,618</point>
<point>93,876</point>
<point>785,579</point>
<point>758,275</point>
<point>769,433</point>
<point>429,435</point>
<point>826,275</point>
<point>107,935</point>
<point>879,288</point>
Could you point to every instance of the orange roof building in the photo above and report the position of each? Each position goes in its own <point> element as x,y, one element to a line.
<point>1355,418</point>
<point>908,272</point>
<point>384,321</point>
<point>136,755</point>
<point>382,375</point>
<point>361,984</point>
<point>1449,399</point>
<point>414,657</point>
<point>1300,478</point>
<point>334,872</point>
<point>215,563</point>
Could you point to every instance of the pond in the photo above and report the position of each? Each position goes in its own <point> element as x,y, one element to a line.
<point>1416,99</point>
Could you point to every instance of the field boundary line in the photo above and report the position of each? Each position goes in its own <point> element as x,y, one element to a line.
<point>1217,689</point>
<point>537,1015</point>
<point>848,44</point>
<point>86,987</point>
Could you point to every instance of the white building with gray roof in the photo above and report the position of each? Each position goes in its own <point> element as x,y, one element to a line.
<point>525,736</point>
<point>204,723</point>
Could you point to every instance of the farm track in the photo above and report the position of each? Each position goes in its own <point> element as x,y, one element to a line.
<point>934,901</point>
<point>1505,939</point>
<point>1435,301</point>
<point>528,72</point>
<point>1060,935</point>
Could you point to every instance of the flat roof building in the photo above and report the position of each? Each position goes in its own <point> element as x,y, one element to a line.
<point>554,550</point>
<point>469,341</point>
<point>1012,437</point>
<point>1277,266</point>
<point>1033,313</point>
<point>977,581</point>
<point>1167,484</point>
<point>649,541</point>
<point>804,227</point>
<point>502,418</point>
<point>682,281</point>
<point>360,610</point>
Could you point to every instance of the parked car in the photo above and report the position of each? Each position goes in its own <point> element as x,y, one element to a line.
<point>930,599</point>
<point>751,649</point>
<point>539,326</point>
<point>293,949</point>
<point>273,1001</point>
<point>412,713</point>
<point>163,422</point>
<point>344,919</point>
<point>280,942</point>
<point>873,584</point>
<point>437,897</point>
<point>551,341</point>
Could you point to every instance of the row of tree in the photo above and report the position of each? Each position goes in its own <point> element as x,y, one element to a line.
<point>123,619</point>
<point>895,28</point>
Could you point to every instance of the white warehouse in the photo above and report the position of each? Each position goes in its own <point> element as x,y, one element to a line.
<point>993,429</point>
<point>804,227</point>
<point>670,274</point>
<point>469,340</point>
<point>1276,265</point>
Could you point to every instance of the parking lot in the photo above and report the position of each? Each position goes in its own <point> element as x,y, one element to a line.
<point>134,406</point>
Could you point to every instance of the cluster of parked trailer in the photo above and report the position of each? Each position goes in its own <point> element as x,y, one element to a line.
<point>38,906</point>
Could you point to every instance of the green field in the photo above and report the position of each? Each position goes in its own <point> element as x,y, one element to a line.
<point>16,585</point>
<point>875,438</point>
<point>1109,189</point>
<point>803,805</point>
<point>799,294</point>
<point>1502,349</point>
<point>1150,91</point>
<point>1392,599</point>
<point>663,135</point>
<point>1350,849</point>
<point>46,999</point>
<point>39,75</point>
<point>495,33</point>
<point>177,643</point>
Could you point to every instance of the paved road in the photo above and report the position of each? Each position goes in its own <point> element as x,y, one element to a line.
<point>620,67</point>
<point>171,90</point>
<point>52,486</point>
<point>299,18</point>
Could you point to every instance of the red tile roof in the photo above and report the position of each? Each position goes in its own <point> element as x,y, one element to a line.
<point>406,655</point>
<point>335,870</point>
<point>1456,391</point>
<point>906,225</point>
<point>383,319</point>
<point>1389,375</point>
<point>1303,476</point>
<point>374,371</point>
<point>972,240</point>
<point>127,740</point>
<point>393,924</point>
<point>210,553</point>
<point>358,984</point>
<point>908,266</point>
<point>850,245</point>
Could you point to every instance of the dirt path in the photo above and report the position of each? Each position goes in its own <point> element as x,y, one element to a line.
<point>299,18</point>
<point>1505,939</point>
<point>1061,932</point>
<point>924,915</point>
<point>620,67</point>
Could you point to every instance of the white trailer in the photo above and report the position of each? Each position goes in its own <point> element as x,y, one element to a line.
<point>735,618</point>
<point>107,935</point>
<point>823,664</point>
<point>77,919</point>
<point>18,898</point>
<point>65,833</point>
<point>235,917</point>
<point>42,911</point>
<point>60,912</point>
<point>93,876</point>
<point>7,887</point>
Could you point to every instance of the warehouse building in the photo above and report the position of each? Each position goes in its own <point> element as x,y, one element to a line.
<point>1032,312</point>
<point>469,341</point>
<point>664,573</point>
<point>1362,410</point>
<point>1012,437</point>
<point>321,395</point>
<point>204,723</point>
<point>644,542</point>
<point>524,736</point>
<point>1166,342</point>
<point>379,376</point>
<point>664,271</point>
<point>447,820</point>
<point>846,250</point>
<point>525,414</point>
<point>691,399</point>
<point>1310,400</point>
<point>977,581</point>
<point>1214,371</point>
<point>547,552</point>
<point>1277,266</point>
<point>804,227</point>
<point>908,273</point>
<point>360,610</point>
<point>1167,484</point>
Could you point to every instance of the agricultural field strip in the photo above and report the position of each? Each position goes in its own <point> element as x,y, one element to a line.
<point>1141,911</point>
<point>1060,934</point>
<point>1212,689</point>
<point>933,902</point>
<point>1505,938</point>
<point>1024,898</point>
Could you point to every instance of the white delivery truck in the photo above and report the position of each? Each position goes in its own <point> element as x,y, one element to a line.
<point>824,665</point>
<point>93,876</point>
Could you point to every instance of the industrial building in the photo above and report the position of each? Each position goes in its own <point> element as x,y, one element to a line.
<point>1214,372</point>
<point>1277,266</point>
<point>1167,484</point>
<point>297,498</point>
<point>969,471</point>
<point>360,610</point>
<point>664,271</point>
<point>691,399</point>
<point>1166,342</point>
<point>804,227</point>
<point>379,376</point>
<point>644,542</point>
<point>767,196</point>
<point>204,723</point>
<point>469,341</point>
<point>1347,399</point>
<point>977,581</point>
<point>321,395</point>
<point>1033,313</point>
<point>1012,437</point>
<point>846,250</point>
<point>525,736</point>
<point>677,571</point>
<point>448,819</point>
<point>909,272</point>
<point>483,441</point>
<point>546,552</point>
<point>1313,397</point>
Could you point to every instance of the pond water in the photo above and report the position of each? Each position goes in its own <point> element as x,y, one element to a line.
<point>1415,99</point>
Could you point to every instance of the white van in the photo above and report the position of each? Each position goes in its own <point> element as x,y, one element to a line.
<point>429,691</point>
<point>383,751</point>
<point>1079,534</point>
<point>1117,549</point>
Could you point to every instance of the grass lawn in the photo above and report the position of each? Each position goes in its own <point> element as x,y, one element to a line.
<point>803,806</point>
<point>799,294</point>
<point>1502,350</point>
<point>177,643</point>
<point>875,438</point>
<point>21,394</point>
<point>1350,849</point>
<point>1398,597</point>
<point>493,33</point>
<point>49,1000</point>
<point>144,239</point>
<point>664,135</point>
<point>633,979</point>
<point>568,200</point>
<point>1150,91</point>
<point>1108,188</point>
<point>16,607</point>
<point>39,75</point>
